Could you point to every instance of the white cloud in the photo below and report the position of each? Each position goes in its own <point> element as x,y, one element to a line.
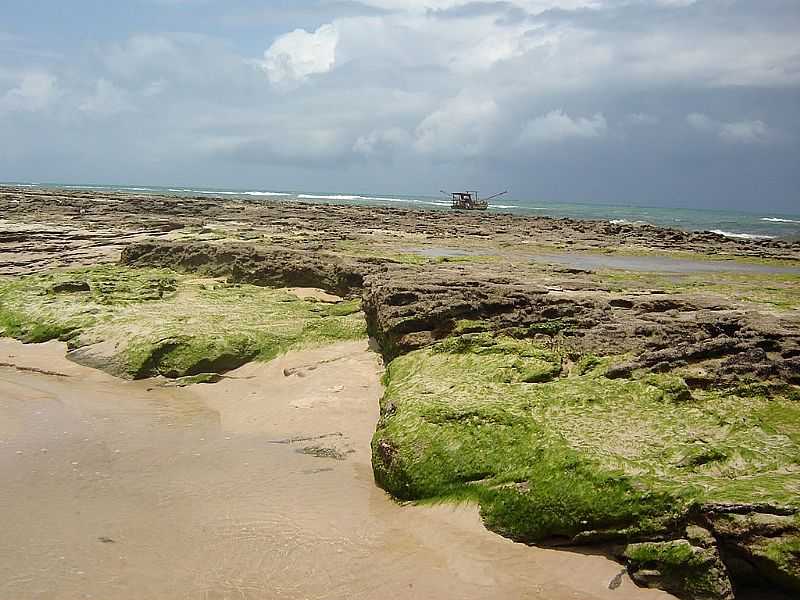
<point>295,56</point>
<point>413,41</point>
<point>462,126</point>
<point>154,88</point>
<point>701,122</point>
<point>566,52</point>
<point>185,61</point>
<point>643,119</point>
<point>533,6</point>
<point>141,53</point>
<point>35,91</point>
<point>745,132</point>
<point>557,126</point>
<point>382,142</point>
<point>734,132</point>
<point>425,5</point>
<point>107,100</point>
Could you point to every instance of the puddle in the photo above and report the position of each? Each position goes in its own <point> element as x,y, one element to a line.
<point>658,264</point>
<point>438,252</point>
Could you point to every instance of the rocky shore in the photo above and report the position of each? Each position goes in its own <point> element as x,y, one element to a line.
<point>43,227</point>
<point>655,414</point>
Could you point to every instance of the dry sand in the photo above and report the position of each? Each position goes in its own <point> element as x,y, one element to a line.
<point>259,486</point>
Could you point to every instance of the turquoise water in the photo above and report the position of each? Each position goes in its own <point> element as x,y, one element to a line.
<point>766,225</point>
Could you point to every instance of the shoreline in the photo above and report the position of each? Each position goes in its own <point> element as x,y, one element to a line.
<point>126,213</point>
<point>616,214</point>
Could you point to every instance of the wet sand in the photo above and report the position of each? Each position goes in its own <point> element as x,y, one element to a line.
<point>259,486</point>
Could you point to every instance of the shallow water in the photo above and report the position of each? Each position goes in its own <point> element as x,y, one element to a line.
<point>658,264</point>
<point>130,490</point>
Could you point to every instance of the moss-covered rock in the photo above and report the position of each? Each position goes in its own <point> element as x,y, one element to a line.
<point>779,559</point>
<point>680,568</point>
<point>143,322</point>
<point>763,546</point>
<point>562,454</point>
<point>251,263</point>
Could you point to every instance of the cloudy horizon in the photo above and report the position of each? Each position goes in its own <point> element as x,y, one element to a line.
<point>684,103</point>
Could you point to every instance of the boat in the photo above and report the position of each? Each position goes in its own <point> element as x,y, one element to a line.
<point>469,200</point>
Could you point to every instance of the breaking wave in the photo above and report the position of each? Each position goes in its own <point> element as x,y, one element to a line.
<point>777,220</point>
<point>349,197</point>
<point>627,222</point>
<point>265,194</point>
<point>215,192</point>
<point>743,236</point>
<point>332,197</point>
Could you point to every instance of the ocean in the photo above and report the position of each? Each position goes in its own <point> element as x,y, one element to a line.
<point>735,224</point>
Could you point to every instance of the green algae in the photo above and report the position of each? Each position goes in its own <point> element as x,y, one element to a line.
<point>772,542</point>
<point>143,322</point>
<point>784,554</point>
<point>673,387</point>
<point>782,419</point>
<point>550,327</point>
<point>30,331</point>
<point>572,453</point>
<point>359,250</point>
<point>471,326</point>
<point>33,309</point>
<point>772,290</point>
<point>676,553</point>
<point>343,308</point>
<point>510,360</point>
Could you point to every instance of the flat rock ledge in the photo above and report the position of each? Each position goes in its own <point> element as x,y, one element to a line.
<point>409,310</point>
<point>710,548</point>
<point>258,265</point>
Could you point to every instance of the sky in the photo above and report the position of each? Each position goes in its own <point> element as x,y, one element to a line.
<point>684,103</point>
